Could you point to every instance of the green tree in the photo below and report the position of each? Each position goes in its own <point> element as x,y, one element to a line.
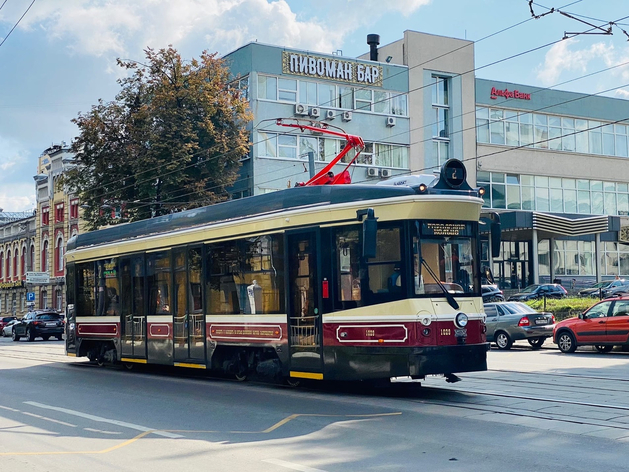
<point>171,140</point>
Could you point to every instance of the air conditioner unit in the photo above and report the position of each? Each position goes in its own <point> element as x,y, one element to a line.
<point>372,172</point>
<point>301,109</point>
<point>347,116</point>
<point>315,112</point>
<point>385,173</point>
<point>390,121</point>
<point>330,114</point>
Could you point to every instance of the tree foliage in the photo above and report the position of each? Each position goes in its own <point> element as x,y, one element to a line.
<point>171,140</point>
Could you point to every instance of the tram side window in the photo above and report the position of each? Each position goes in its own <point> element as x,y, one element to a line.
<point>246,276</point>
<point>158,280</point>
<point>70,285</point>
<point>385,271</point>
<point>348,265</point>
<point>225,279</point>
<point>108,289</point>
<point>86,289</point>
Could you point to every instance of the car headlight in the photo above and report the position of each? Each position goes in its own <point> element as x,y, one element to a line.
<point>460,320</point>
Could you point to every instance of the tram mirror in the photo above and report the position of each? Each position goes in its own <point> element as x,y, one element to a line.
<point>370,230</point>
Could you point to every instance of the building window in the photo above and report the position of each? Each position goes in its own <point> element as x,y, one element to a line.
<point>556,133</point>
<point>31,260</point>
<point>59,256</point>
<point>45,216</point>
<point>1,266</point>
<point>74,209</point>
<point>441,122</point>
<point>15,258</point>
<point>8,266</point>
<point>58,299</point>
<point>23,262</point>
<point>44,257</point>
<point>59,213</point>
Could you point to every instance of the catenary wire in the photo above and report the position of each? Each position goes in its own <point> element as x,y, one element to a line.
<point>18,22</point>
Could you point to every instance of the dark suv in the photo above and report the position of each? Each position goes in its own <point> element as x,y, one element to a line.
<point>39,324</point>
<point>533,292</point>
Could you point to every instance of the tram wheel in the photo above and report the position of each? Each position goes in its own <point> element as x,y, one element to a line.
<point>503,341</point>
<point>536,343</point>
<point>603,348</point>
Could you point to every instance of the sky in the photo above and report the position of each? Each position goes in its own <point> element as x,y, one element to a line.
<point>59,58</point>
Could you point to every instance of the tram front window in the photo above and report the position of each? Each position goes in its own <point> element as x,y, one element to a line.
<point>450,261</point>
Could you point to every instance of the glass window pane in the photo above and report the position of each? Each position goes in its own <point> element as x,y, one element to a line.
<point>381,102</point>
<point>513,197</point>
<point>267,87</point>
<point>623,204</point>
<point>527,179</point>
<point>554,121</point>
<point>399,104</point>
<point>498,196</point>
<point>541,199</point>
<point>554,139</point>
<point>567,122</point>
<point>267,144</point>
<point>327,95</point>
<point>583,199</point>
<point>596,142</point>
<point>526,134</point>
<point>482,112</point>
<point>583,184</point>
<point>526,118</point>
<point>528,198</point>
<point>497,177</point>
<point>513,179</point>
<point>621,146</point>
<point>570,201</point>
<point>540,120</point>
<point>512,134</point>
<point>596,185</point>
<point>556,200</point>
<point>581,142</point>
<point>555,182</point>
<point>610,204</point>
<point>608,144</point>
<point>495,114</point>
<point>497,131</point>
<point>482,130</point>
<point>541,136</point>
<point>541,181</point>
<point>482,176</point>
<point>568,183</point>
<point>568,143</point>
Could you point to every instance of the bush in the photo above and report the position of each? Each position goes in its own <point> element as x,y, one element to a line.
<point>564,307</point>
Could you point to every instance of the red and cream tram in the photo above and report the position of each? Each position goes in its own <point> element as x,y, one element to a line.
<point>331,282</point>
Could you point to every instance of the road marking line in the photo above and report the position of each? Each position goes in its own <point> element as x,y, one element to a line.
<point>101,431</point>
<point>100,419</point>
<point>292,417</point>
<point>48,419</point>
<point>10,409</point>
<point>291,465</point>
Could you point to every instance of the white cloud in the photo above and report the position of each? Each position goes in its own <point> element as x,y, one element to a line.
<point>14,164</point>
<point>560,58</point>
<point>99,27</point>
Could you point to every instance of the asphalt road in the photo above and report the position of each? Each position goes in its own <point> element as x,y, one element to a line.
<point>533,410</point>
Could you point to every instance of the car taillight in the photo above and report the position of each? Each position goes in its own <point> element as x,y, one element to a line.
<point>524,321</point>
<point>37,323</point>
<point>552,319</point>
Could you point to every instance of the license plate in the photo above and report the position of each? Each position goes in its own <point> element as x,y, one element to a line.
<point>541,321</point>
<point>51,323</point>
<point>460,332</point>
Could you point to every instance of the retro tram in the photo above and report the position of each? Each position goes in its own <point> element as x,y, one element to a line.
<point>325,282</point>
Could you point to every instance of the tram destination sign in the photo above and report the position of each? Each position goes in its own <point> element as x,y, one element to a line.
<point>431,228</point>
<point>38,278</point>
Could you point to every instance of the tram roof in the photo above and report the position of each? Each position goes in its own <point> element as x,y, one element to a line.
<point>242,208</point>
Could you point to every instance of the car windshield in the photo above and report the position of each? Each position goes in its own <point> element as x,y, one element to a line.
<point>49,317</point>
<point>530,288</point>
<point>601,284</point>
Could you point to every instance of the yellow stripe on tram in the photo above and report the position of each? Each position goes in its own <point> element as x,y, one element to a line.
<point>307,375</point>
<point>137,361</point>
<point>192,366</point>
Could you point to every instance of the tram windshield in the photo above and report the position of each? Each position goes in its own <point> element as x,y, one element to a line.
<point>444,255</point>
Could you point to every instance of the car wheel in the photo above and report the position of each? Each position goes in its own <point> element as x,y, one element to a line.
<point>15,336</point>
<point>60,337</point>
<point>536,343</point>
<point>30,334</point>
<point>503,341</point>
<point>566,342</point>
<point>603,348</point>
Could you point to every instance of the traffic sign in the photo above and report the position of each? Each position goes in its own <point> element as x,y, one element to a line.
<point>30,296</point>
<point>41,278</point>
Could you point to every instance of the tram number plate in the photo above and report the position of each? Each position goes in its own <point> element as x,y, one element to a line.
<point>460,332</point>
<point>541,321</point>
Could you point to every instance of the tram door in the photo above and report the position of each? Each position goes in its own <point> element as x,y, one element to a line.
<point>305,333</point>
<point>188,320</point>
<point>132,310</point>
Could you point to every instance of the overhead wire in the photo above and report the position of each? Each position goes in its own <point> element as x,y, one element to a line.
<point>18,22</point>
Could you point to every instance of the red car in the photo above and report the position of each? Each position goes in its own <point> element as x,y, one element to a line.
<point>4,320</point>
<point>603,326</point>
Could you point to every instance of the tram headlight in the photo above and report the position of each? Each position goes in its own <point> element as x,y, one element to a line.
<point>460,320</point>
<point>425,321</point>
<point>71,326</point>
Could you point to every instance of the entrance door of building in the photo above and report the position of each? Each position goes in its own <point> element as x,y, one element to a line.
<point>305,333</point>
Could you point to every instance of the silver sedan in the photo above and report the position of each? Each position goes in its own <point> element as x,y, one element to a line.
<point>8,329</point>
<point>512,321</point>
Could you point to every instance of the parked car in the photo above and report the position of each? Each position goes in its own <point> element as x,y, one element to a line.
<point>7,330</point>
<point>513,321</point>
<point>618,286</point>
<point>5,320</point>
<point>620,291</point>
<point>535,291</point>
<point>603,325</point>
<point>596,289</point>
<point>39,324</point>
<point>491,293</point>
